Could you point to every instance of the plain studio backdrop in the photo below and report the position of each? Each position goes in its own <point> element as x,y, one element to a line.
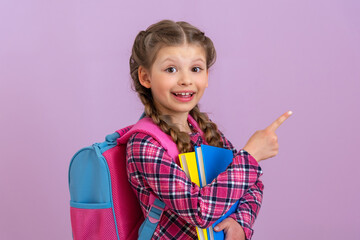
<point>65,84</point>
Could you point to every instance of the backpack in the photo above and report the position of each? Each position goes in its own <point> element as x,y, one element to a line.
<point>103,205</point>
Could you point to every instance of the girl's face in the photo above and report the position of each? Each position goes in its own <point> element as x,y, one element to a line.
<point>177,78</point>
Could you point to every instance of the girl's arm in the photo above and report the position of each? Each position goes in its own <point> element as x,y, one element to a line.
<point>250,202</point>
<point>151,169</point>
<point>249,207</point>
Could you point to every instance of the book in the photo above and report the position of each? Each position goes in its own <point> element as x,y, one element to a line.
<point>189,165</point>
<point>209,162</point>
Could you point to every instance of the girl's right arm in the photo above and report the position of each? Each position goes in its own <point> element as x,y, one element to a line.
<point>150,168</point>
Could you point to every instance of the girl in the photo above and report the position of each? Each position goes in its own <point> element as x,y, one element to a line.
<point>169,67</point>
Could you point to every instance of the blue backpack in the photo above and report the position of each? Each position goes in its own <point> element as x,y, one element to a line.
<point>103,205</point>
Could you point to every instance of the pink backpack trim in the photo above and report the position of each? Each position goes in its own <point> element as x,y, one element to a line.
<point>147,126</point>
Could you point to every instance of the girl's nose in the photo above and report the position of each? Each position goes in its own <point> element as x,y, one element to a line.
<point>185,79</point>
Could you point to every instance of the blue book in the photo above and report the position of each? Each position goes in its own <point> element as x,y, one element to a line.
<point>211,162</point>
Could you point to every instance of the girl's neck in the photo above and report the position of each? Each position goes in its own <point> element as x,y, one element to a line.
<point>181,122</point>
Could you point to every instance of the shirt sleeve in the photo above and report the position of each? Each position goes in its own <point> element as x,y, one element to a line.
<point>152,170</point>
<point>250,202</point>
<point>249,207</point>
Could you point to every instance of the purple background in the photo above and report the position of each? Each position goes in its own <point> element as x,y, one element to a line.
<point>65,84</point>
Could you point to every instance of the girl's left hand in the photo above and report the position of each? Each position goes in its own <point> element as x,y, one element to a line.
<point>232,229</point>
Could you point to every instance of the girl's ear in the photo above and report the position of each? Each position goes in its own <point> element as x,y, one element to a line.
<point>207,77</point>
<point>144,77</point>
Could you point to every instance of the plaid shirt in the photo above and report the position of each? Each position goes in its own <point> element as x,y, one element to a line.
<point>151,169</point>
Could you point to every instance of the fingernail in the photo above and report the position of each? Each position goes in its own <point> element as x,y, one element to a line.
<point>216,228</point>
<point>290,112</point>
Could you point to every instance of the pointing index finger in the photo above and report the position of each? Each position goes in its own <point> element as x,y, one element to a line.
<point>279,121</point>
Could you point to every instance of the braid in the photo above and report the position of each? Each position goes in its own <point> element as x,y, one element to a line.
<point>210,130</point>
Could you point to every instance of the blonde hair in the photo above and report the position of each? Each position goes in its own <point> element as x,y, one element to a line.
<point>146,46</point>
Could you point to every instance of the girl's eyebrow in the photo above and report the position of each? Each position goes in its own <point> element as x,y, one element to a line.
<point>174,60</point>
<point>168,59</point>
<point>199,59</point>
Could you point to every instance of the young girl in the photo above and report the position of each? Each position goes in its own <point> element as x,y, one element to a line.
<point>169,67</point>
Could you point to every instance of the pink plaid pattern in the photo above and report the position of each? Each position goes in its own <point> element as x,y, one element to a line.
<point>151,169</point>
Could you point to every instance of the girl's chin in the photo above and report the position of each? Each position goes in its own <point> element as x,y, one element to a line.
<point>178,111</point>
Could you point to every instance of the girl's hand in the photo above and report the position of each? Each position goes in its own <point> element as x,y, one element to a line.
<point>263,144</point>
<point>232,229</point>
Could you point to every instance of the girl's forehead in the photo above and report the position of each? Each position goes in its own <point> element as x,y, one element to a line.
<point>181,52</point>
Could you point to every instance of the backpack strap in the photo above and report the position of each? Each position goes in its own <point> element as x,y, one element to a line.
<point>147,126</point>
<point>157,207</point>
<point>147,229</point>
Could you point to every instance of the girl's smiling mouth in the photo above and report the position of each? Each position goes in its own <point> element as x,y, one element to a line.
<point>184,96</point>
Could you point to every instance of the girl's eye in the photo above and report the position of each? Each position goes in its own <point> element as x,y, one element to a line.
<point>196,69</point>
<point>170,70</point>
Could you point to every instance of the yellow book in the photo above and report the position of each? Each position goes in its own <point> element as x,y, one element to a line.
<point>189,165</point>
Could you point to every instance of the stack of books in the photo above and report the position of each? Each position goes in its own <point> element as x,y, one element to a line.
<point>202,167</point>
